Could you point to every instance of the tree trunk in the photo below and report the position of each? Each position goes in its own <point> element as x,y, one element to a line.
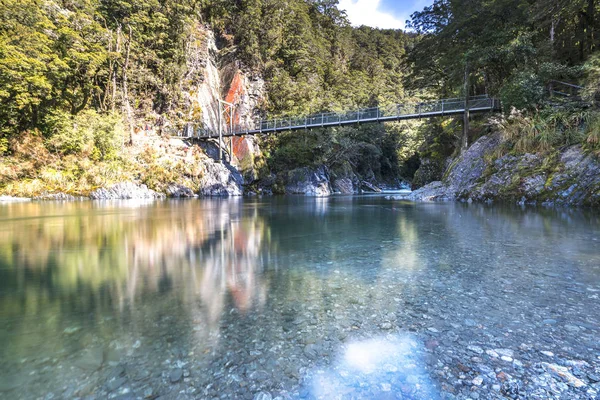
<point>590,28</point>
<point>126,101</point>
<point>114,71</point>
<point>582,36</point>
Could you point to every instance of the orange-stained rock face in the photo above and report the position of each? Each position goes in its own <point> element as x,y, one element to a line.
<point>242,148</point>
<point>236,90</point>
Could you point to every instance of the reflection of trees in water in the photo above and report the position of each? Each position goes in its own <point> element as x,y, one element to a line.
<point>62,262</point>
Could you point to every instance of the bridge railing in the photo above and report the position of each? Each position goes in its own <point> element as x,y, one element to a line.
<point>375,113</point>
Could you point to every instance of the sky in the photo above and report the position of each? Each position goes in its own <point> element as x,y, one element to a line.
<point>385,14</point>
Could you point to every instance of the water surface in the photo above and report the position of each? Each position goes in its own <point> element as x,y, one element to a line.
<point>346,297</point>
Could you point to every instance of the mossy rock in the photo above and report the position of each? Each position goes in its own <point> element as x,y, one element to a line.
<point>429,171</point>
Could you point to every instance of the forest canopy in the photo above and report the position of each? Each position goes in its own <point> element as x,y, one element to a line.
<point>58,58</point>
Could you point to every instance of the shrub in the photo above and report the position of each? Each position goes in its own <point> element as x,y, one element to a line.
<point>524,91</point>
<point>591,70</point>
<point>552,128</point>
<point>68,134</point>
<point>592,130</point>
<point>109,134</point>
<point>87,133</point>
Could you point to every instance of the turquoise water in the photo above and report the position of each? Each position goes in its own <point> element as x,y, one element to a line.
<point>345,297</point>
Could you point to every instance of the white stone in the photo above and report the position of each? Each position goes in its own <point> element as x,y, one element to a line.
<point>491,353</point>
<point>505,352</point>
<point>475,349</point>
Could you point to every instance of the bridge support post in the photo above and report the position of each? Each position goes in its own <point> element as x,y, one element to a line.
<point>222,105</point>
<point>232,134</point>
<point>465,136</point>
<point>220,132</point>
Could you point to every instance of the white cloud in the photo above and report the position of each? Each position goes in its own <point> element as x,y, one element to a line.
<point>366,12</point>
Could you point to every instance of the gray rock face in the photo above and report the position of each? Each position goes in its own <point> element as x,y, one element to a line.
<point>124,191</point>
<point>369,187</point>
<point>573,178</point>
<point>343,186</point>
<point>579,181</point>
<point>431,192</point>
<point>505,183</point>
<point>429,171</point>
<point>470,166</point>
<point>310,182</point>
<point>221,180</point>
<point>179,191</point>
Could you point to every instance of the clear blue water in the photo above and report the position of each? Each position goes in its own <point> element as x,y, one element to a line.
<point>345,297</point>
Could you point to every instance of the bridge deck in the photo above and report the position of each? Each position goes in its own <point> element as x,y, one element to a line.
<point>396,112</point>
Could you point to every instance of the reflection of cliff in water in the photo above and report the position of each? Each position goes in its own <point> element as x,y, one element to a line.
<point>69,266</point>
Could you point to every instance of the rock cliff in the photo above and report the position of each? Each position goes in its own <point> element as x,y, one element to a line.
<point>568,177</point>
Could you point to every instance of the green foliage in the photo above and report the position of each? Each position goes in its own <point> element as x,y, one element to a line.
<point>50,58</point>
<point>591,122</point>
<point>592,78</point>
<point>523,91</point>
<point>377,151</point>
<point>497,41</point>
<point>88,133</point>
<point>66,135</point>
<point>312,59</point>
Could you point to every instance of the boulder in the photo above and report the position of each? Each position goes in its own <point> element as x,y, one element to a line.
<point>430,192</point>
<point>221,179</point>
<point>124,191</point>
<point>309,182</point>
<point>176,190</point>
<point>60,196</point>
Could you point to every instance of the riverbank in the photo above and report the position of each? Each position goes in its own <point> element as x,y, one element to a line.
<point>487,173</point>
<point>161,167</point>
<point>156,167</point>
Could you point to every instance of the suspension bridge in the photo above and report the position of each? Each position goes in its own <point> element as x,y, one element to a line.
<point>230,127</point>
<point>395,112</point>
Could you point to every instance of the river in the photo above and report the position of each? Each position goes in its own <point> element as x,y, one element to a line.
<point>293,297</point>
